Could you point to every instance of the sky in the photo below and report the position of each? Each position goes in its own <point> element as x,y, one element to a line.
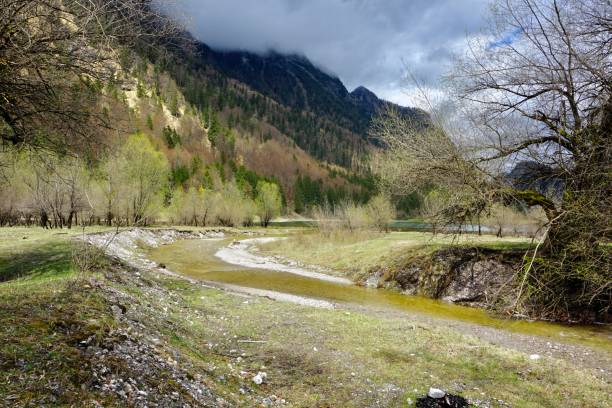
<point>373,43</point>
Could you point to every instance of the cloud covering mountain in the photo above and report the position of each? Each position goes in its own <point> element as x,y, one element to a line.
<point>364,42</point>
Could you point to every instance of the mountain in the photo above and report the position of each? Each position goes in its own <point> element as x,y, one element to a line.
<point>269,94</point>
<point>240,115</point>
<point>293,81</point>
<point>531,175</point>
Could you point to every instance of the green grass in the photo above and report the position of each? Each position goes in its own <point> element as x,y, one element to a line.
<point>313,357</point>
<point>41,322</point>
<point>333,358</point>
<point>33,253</point>
<point>45,310</point>
<point>354,254</point>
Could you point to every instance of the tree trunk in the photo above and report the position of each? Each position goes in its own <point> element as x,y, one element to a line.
<point>44,219</point>
<point>70,218</point>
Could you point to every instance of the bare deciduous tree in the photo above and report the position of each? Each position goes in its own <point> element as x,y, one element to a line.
<point>269,203</point>
<point>55,54</point>
<point>536,90</point>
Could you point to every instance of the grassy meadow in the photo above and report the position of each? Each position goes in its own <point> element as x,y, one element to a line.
<point>312,357</point>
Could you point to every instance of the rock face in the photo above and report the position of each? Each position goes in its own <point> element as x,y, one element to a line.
<point>462,275</point>
<point>530,175</point>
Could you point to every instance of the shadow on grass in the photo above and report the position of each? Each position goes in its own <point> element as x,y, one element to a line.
<point>45,260</point>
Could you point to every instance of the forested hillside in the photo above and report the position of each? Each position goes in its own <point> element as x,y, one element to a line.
<point>286,94</point>
<point>178,109</point>
<point>218,119</point>
<point>295,82</point>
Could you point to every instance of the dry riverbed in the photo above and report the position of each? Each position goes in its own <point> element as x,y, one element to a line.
<point>175,341</point>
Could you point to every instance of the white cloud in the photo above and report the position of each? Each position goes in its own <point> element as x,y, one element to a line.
<point>364,42</point>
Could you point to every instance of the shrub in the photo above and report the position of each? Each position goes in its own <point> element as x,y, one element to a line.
<point>268,202</point>
<point>354,217</point>
<point>233,208</point>
<point>380,211</point>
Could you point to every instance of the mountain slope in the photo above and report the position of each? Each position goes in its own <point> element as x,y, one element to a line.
<point>277,115</point>
<point>293,81</point>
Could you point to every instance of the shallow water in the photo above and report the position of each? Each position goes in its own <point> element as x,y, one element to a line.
<point>196,259</point>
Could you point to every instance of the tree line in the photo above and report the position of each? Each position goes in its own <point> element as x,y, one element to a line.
<point>132,186</point>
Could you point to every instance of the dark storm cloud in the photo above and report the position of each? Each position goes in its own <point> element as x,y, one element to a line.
<point>364,42</point>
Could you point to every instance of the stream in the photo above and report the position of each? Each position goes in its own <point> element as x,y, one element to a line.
<point>209,260</point>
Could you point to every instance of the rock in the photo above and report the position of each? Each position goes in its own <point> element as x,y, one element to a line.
<point>446,401</point>
<point>117,312</point>
<point>464,275</point>
<point>535,357</point>
<point>127,388</point>
<point>260,378</point>
<point>436,393</point>
<point>373,280</point>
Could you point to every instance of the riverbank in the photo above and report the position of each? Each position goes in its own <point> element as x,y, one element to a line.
<point>355,255</point>
<point>256,274</point>
<point>188,340</point>
<point>469,269</point>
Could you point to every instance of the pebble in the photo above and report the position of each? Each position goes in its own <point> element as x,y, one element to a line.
<point>436,393</point>
<point>260,378</point>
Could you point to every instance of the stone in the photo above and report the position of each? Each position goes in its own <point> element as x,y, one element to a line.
<point>535,357</point>
<point>260,378</point>
<point>447,401</point>
<point>373,281</point>
<point>436,393</point>
<point>117,312</point>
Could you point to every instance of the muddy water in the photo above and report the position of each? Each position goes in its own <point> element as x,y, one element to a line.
<point>196,259</point>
